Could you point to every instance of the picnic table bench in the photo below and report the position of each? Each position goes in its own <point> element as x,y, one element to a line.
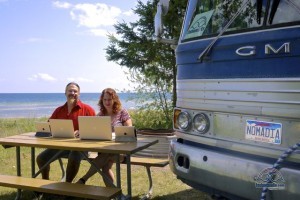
<point>147,162</point>
<point>60,188</point>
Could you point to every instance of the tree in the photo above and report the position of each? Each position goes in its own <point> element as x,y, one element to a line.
<point>150,63</point>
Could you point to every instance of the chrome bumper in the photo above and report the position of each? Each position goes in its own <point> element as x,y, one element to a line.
<point>228,173</point>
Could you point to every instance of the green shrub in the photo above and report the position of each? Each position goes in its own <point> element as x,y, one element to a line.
<point>152,119</point>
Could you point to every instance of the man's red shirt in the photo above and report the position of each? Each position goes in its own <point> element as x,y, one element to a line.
<point>80,109</point>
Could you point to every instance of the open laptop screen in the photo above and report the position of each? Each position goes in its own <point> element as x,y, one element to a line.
<point>95,127</point>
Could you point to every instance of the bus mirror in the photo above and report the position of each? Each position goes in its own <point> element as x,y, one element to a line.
<point>165,6</point>
<point>158,21</point>
<point>162,9</point>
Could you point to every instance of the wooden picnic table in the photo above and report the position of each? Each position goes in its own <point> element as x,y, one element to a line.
<point>75,144</point>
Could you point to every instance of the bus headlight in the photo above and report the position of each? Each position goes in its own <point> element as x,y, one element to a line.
<point>184,121</point>
<point>201,123</point>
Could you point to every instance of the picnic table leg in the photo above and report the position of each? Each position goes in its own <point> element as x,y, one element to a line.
<point>49,161</point>
<point>128,160</point>
<point>63,172</point>
<point>118,171</point>
<point>32,161</point>
<point>18,157</point>
<point>98,170</point>
<point>149,194</point>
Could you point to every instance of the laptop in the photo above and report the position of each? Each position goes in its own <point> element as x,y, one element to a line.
<point>125,133</point>
<point>95,127</point>
<point>42,129</point>
<point>62,128</point>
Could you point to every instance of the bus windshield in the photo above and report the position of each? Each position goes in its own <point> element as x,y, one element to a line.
<point>206,18</point>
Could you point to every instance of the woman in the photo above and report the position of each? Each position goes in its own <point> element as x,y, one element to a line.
<point>110,105</point>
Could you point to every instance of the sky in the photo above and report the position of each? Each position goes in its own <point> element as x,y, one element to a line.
<point>44,44</point>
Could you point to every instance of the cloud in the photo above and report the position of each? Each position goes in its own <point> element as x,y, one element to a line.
<point>36,40</point>
<point>41,76</point>
<point>99,32</point>
<point>91,15</point>
<point>95,15</point>
<point>128,13</point>
<point>80,79</point>
<point>64,5</point>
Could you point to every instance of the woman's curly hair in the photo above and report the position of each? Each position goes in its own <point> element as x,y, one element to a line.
<point>117,106</point>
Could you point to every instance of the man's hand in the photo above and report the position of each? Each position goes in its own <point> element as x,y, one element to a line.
<point>76,133</point>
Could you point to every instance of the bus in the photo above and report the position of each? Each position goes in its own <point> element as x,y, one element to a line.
<point>237,114</point>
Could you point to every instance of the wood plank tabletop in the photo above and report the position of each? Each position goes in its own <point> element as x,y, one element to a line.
<point>29,140</point>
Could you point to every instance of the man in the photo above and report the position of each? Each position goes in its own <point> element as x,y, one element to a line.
<point>70,110</point>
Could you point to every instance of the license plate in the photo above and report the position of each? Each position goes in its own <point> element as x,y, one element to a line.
<point>260,131</point>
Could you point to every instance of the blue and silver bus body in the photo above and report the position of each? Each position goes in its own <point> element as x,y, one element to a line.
<point>248,87</point>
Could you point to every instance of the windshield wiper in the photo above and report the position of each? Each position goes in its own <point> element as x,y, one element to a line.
<point>207,50</point>
<point>273,10</point>
<point>258,10</point>
<point>267,12</point>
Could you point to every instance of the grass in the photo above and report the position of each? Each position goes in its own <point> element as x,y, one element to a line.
<point>165,184</point>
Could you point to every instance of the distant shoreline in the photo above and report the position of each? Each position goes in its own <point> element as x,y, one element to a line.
<point>29,105</point>
<point>40,117</point>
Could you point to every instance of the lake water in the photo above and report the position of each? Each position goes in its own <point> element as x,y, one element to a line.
<point>31,105</point>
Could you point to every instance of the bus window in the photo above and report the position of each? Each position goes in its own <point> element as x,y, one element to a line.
<point>287,11</point>
<point>210,16</point>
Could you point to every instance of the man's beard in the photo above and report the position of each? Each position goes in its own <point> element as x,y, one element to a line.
<point>73,99</point>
